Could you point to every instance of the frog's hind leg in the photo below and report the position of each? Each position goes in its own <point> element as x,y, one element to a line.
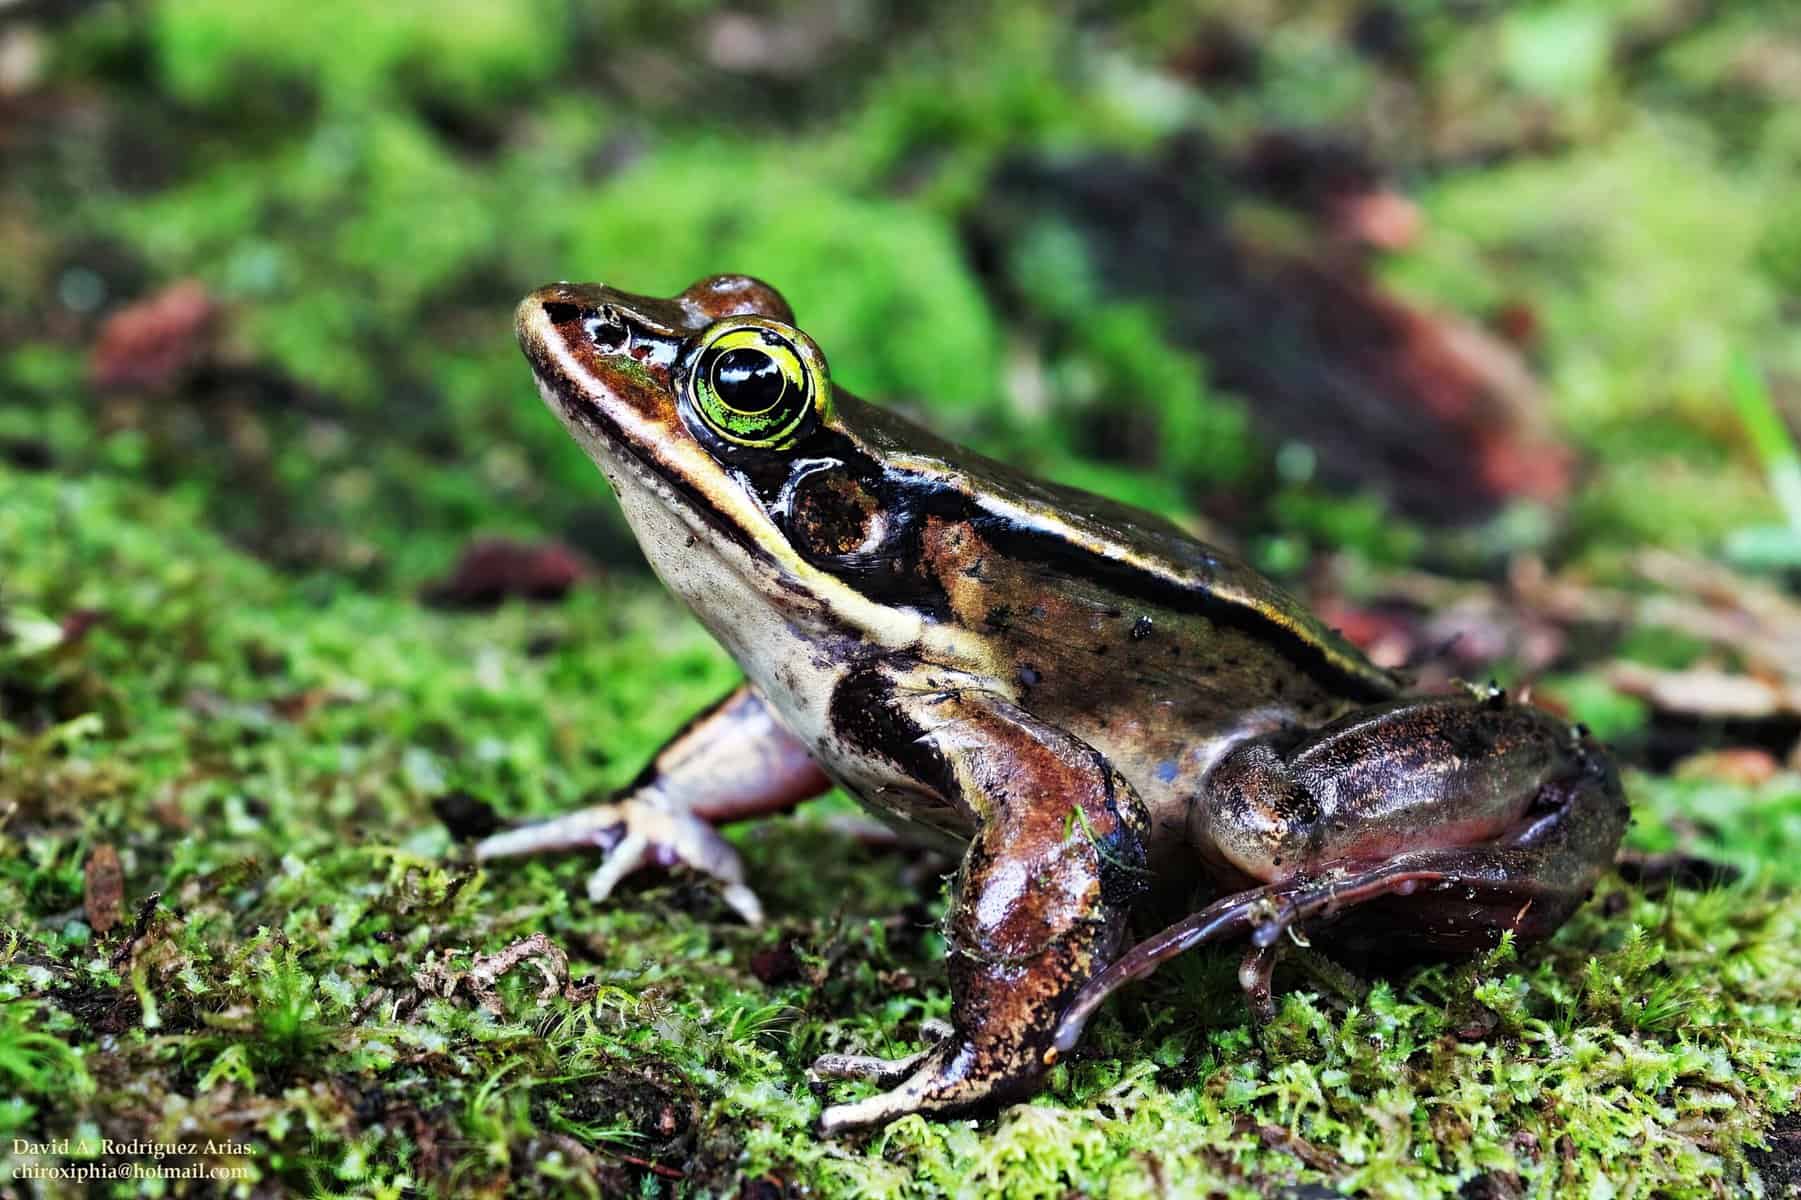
<point>731,762</point>
<point>1040,904</point>
<point>1455,898</point>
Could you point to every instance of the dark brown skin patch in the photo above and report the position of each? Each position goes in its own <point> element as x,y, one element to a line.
<point>866,712</point>
<point>833,515</point>
<point>1151,702</point>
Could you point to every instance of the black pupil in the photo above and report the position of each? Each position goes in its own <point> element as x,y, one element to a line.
<point>748,380</point>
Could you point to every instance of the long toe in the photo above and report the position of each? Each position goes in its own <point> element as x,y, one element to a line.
<point>597,826</point>
<point>627,858</point>
<point>950,1077</point>
<point>635,834</point>
<point>884,1071</point>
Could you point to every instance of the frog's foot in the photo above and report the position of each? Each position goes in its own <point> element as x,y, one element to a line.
<point>634,834</point>
<point>950,1076</point>
<point>733,761</point>
<point>885,1072</point>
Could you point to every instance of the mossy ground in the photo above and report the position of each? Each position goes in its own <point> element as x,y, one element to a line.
<point>216,662</point>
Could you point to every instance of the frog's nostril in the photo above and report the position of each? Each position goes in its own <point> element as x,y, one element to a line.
<point>603,326</point>
<point>606,330</point>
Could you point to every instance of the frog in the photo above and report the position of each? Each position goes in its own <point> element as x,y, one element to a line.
<point>1102,717</point>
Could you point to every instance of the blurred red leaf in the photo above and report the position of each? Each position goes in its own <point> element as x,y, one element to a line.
<point>493,570</point>
<point>149,345</point>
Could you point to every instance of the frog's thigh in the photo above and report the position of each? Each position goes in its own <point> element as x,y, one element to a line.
<point>1524,880</point>
<point>1041,897</point>
<point>1492,778</point>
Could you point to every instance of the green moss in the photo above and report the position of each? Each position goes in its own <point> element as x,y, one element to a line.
<point>1595,703</point>
<point>207,49</point>
<point>37,1061</point>
<point>1360,523</point>
<point>1112,374</point>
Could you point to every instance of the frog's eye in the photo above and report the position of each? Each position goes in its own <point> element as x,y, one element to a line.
<point>756,382</point>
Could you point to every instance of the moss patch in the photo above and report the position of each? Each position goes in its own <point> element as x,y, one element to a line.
<point>293,909</point>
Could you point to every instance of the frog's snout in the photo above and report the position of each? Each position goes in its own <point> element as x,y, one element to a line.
<point>522,320</point>
<point>549,306</point>
<point>536,315</point>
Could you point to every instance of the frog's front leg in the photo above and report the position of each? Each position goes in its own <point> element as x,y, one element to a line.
<point>734,760</point>
<point>1041,898</point>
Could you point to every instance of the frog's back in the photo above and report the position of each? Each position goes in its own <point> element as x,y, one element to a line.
<point>1081,597</point>
<point>1154,648</point>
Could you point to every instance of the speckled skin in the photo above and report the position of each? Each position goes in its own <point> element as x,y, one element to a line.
<point>1077,694</point>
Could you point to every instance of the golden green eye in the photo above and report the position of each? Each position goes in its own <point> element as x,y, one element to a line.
<point>756,382</point>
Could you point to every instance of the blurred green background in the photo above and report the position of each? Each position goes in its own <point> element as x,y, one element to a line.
<point>1412,303</point>
<point>364,192</point>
